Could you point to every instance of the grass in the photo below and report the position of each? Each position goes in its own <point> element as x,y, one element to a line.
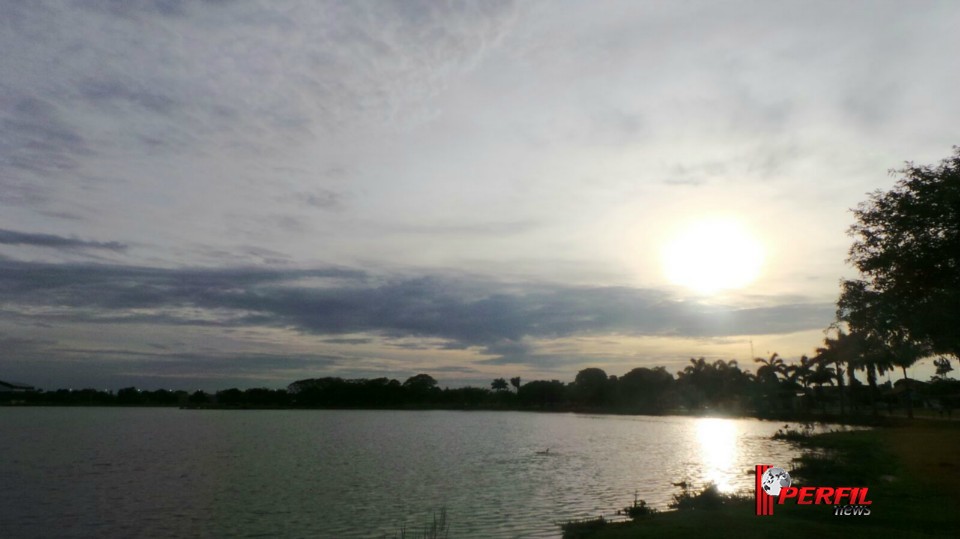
<point>912,471</point>
<point>794,435</point>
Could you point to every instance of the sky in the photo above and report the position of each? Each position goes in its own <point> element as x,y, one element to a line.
<point>231,193</point>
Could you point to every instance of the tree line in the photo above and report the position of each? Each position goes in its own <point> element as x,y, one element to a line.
<point>821,384</point>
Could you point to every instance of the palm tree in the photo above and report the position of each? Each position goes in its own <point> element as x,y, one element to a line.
<point>840,351</point>
<point>874,359</point>
<point>499,384</point>
<point>799,373</point>
<point>768,374</point>
<point>904,353</point>
<point>821,374</point>
<point>771,369</point>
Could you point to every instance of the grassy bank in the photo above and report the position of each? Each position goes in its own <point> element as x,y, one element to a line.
<point>912,470</point>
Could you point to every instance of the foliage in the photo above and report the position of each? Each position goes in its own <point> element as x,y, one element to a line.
<point>708,498</point>
<point>943,367</point>
<point>639,509</point>
<point>794,435</point>
<point>542,394</point>
<point>590,386</point>
<point>645,389</point>
<point>907,250</point>
<point>578,529</point>
<point>717,385</point>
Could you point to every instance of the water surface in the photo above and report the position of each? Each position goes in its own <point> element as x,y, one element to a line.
<point>158,472</point>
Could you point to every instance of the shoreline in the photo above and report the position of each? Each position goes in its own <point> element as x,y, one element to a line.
<point>911,470</point>
<point>865,420</point>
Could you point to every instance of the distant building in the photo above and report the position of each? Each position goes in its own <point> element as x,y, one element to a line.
<point>15,387</point>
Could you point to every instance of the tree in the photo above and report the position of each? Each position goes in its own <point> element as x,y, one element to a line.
<point>515,382</point>
<point>822,374</point>
<point>645,389</point>
<point>907,250</point>
<point>421,387</point>
<point>422,382</point>
<point>875,358</point>
<point>590,386</point>
<point>499,384</point>
<point>770,369</point>
<point>943,367</point>
<point>840,351</point>
<point>799,374</point>
<point>543,393</point>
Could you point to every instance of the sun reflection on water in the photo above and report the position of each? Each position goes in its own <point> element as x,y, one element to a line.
<point>718,451</point>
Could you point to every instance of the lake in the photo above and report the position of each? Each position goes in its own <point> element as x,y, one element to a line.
<point>160,472</point>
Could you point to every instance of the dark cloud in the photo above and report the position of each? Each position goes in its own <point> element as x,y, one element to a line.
<point>108,92</point>
<point>19,345</point>
<point>13,237</point>
<point>348,340</point>
<point>322,199</point>
<point>498,320</point>
<point>34,139</point>
<point>124,367</point>
<point>136,8</point>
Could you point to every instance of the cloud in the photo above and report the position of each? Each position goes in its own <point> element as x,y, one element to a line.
<point>468,229</point>
<point>236,69</point>
<point>35,140</point>
<point>498,320</point>
<point>321,199</point>
<point>348,340</point>
<point>97,367</point>
<point>13,237</point>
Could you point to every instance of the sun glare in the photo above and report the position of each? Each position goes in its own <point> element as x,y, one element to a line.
<point>718,451</point>
<point>713,255</point>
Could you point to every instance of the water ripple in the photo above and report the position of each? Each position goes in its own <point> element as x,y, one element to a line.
<point>81,472</point>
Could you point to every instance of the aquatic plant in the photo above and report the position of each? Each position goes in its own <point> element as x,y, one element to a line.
<point>708,498</point>
<point>639,509</point>
<point>579,529</point>
<point>794,435</point>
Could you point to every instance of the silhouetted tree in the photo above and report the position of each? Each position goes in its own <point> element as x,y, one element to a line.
<point>499,384</point>
<point>199,397</point>
<point>129,395</point>
<point>799,373</point>
<point>907,250</point>
<point>542,393</point>
<point>841,351</point>
<point>515,382</point>
<point>421,387</point>
<point>230,397</point>
<point>718,384</point>
<point>822,374</point>
<point>943,367</point>
<point>771,369</point>
<point>590,386</point>
<point>646,389</point>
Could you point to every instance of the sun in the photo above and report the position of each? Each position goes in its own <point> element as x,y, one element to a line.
<point>711,255</point>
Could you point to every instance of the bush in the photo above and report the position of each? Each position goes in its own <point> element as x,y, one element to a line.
<point>639,509</point>
<point>709,498</point>
<point>794,435</point>
<point>578,529</point>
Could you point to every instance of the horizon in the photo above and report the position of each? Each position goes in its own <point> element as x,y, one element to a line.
<point>230,195</point>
